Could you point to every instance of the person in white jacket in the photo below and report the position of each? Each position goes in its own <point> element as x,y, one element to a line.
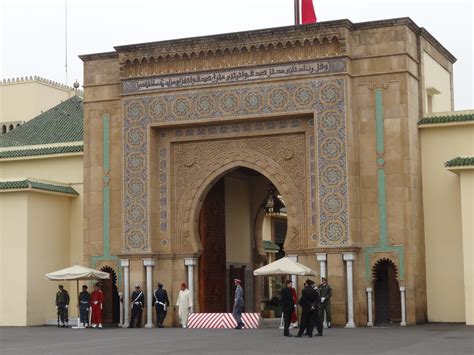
<point>185,304</point>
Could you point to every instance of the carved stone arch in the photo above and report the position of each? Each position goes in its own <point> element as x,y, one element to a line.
<point>189,204</point>
<point>380,264</point>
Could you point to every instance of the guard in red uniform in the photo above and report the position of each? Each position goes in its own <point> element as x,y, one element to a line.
<point>96,300</point>
<point>294,316</point>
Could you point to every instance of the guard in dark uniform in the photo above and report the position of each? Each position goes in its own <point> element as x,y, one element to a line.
<point>161,304</point>
<point>315,319</point>
<point>84,298</point>
<point>138,300</point>
<point>62,304</point>
<point>307,302</point>
<point>325,307</point>
<point>287,306</point>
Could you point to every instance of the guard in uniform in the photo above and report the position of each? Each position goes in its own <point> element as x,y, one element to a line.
<point>84,298</point>
<point>62,304</point>
<point>96,300</point>
<point>316,320</point>
<point>287,306</point>
<point>161,303</point>
<point>308,304</point>
<point>238,304</point>
<point>325,291</point>
<point>138,300</point>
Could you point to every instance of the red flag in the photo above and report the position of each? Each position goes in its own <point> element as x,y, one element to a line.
<point>307,12</point>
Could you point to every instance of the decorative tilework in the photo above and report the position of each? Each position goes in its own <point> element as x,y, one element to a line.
<point>163,190</point>
<point>324,96</point>
<point>106,254</point>
<point>238,128</point>
<point>384,245</point>
<point>312,177</point>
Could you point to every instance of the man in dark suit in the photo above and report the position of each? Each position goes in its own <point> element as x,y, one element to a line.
<point>315,319</point>
<point>287,307</point>
<point>308,305</point>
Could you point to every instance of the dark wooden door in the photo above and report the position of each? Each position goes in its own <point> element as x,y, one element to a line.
<point>387,294</point>
<point>395,307</point>
<point>111,311</point>
<point>382,315</point>
<point>212,263</point>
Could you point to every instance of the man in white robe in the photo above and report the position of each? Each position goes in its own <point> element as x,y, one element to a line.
<point>185,303</point>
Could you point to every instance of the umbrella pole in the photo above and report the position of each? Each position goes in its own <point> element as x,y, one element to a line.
<point>78,310</point>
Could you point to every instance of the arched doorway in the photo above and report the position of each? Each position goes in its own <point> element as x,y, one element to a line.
<point>111,311</point>
<point>387,293</point>
<point>232,240</point>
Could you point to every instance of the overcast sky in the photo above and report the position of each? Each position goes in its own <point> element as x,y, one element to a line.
<point>32,37</point>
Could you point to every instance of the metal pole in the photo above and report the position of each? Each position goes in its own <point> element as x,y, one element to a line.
<point>297,12</point>
<point>65,38</point>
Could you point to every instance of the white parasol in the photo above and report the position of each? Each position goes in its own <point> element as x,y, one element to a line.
<point>284,266</point>
<point>77,272</point>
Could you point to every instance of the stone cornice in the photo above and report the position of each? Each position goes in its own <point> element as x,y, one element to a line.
<point>98,56</point>
<point>239,40</point>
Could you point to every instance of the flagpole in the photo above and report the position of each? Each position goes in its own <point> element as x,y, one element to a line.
<point>297,12</point>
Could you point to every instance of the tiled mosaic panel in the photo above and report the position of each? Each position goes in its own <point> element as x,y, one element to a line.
<point>326,97</point>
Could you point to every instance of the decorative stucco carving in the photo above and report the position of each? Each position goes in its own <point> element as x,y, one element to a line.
<point>207,54</point>
<point>326,150</point>
<point>218,157</point>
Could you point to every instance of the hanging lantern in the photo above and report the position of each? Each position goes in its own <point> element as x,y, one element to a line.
<point>273,203</point>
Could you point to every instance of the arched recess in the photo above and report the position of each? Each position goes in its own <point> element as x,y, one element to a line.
<point>190,202</point>
<point>111,311</point>
<point>386,292</point>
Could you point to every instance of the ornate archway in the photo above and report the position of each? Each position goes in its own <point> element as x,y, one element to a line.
<point>190,201</point>
<point>386,292</point>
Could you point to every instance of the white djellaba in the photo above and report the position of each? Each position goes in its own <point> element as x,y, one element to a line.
<point>185,304</point>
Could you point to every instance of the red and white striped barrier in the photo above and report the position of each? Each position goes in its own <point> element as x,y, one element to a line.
<point>222,320</point>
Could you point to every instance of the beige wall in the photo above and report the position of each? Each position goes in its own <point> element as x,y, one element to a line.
<point>442,220</point>
<point>48,250</point>
<point>267,228</point>
<point>34,241</point>
<point>238,221</point>
<point>13,246</point>
<point>438,78</point>
<point>467,204</point>
<point>39,95</point>
<point>48,230</point>
<point>66,169</point>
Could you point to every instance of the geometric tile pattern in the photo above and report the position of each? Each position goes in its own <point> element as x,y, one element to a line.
<point>325,96</point>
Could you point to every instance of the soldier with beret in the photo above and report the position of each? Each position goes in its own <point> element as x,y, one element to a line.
<point>325,292</point>
<point>84,298</point>
<point>62,304</point>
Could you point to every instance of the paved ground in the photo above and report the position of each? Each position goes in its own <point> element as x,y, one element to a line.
<point>426,339</point>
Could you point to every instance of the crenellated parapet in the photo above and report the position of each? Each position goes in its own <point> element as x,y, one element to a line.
<point>38,79</point>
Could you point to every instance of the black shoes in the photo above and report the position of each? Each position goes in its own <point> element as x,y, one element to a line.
<point>319,334</point>
<point>288,335</point>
